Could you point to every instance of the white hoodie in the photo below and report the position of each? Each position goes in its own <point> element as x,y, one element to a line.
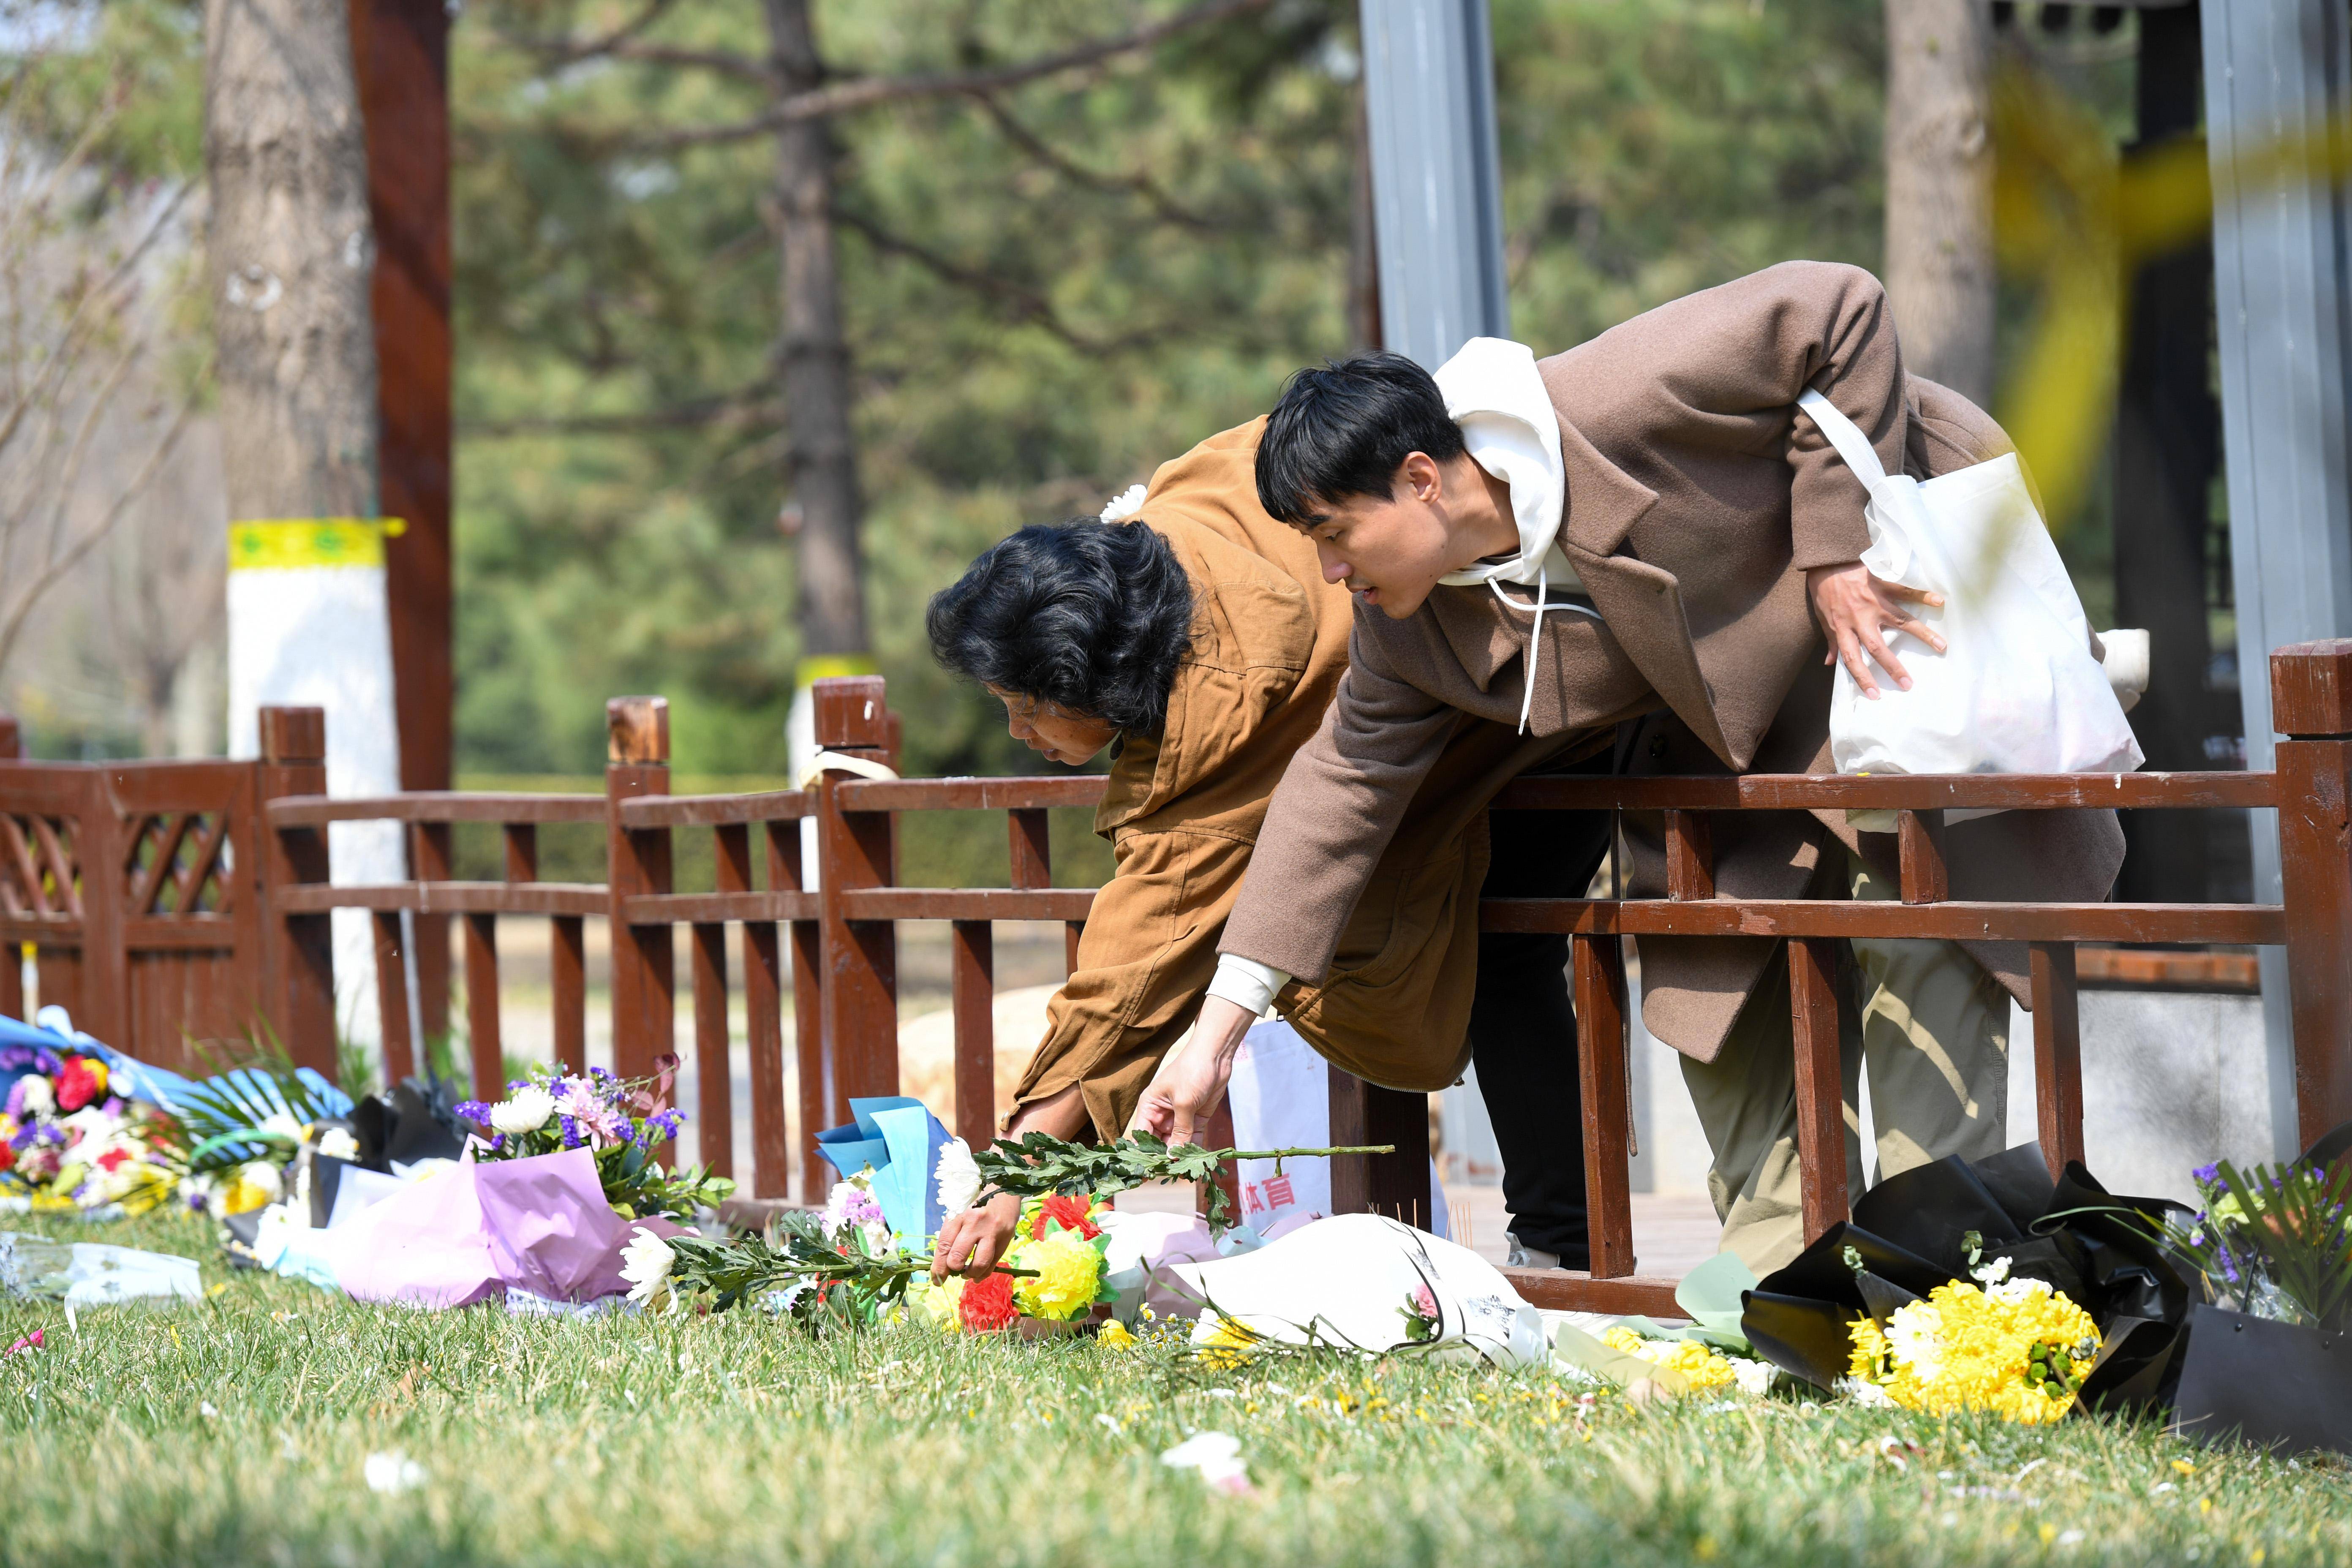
<point>1494,391</point>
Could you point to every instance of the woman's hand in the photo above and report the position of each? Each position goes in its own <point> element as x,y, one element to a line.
<point>970,1242</point>
<point>1855,607</point>
<point>1194,1080</point>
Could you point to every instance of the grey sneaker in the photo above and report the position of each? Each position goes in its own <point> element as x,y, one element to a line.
<point>1522,1255</point>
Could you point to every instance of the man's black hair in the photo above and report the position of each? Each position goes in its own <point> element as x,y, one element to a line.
<point>1344,430</point>
<point>1090,617</point>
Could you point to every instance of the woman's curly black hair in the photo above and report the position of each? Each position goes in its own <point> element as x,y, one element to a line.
<point>1090,617</point>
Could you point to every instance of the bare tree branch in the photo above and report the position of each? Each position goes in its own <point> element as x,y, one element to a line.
<point>1139,185</point>
<point>30,595</point>
<point>865,92</point>
<point>1023,303</point>
<point>556,52</point>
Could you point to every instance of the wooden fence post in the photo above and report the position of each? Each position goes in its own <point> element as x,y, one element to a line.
<point>2311,705</point>
<point>1394,1184</point>
<point>644,967</point>
<point>297,984</point>
<point>859,958</point>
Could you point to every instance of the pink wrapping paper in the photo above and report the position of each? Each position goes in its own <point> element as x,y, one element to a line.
<point>541,1225</point>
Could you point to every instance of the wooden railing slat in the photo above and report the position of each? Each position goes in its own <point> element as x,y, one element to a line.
<point>1821,1083</point>
<point>2230,924</point>
<point>2057,1054</point>
<point>1599,965</point>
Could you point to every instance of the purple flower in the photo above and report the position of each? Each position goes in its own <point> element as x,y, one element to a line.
<point>474,1110</point>
<point>571,1132</point>
<point>2206,1173</point>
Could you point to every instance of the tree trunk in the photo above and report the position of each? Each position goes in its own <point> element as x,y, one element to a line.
<point>821,459</point>
<point>1939,264</point>
<point>290,254</point>
<point>1363,238</point>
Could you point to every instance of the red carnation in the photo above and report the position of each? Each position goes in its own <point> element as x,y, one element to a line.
<point>78,1082</point>
<point>8,1154</point>
<point>987,1304</point>
<point>1067,1211</point>
<point>111,1159</point>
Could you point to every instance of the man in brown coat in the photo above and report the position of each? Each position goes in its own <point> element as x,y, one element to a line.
<point>1639,528</point>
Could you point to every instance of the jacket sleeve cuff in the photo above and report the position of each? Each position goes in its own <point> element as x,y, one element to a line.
<point>1248,984</point>
<point>1833,539</point>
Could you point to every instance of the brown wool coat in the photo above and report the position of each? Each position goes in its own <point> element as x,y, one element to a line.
<point>1696,500</point>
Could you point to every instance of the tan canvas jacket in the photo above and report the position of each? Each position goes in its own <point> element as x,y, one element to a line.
<point>1696,502</point>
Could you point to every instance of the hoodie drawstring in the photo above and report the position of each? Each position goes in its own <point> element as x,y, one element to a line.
<point>1535,636</point>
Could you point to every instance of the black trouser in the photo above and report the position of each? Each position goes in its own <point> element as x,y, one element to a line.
<point>1522,1031</point>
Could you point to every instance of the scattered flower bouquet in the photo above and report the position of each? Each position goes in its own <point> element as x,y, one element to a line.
<point>1052,1273</point>
<point>617,1120</point>
<point>2274,1242</point>
<point>2015,1347</point>
<point>69,1143</point>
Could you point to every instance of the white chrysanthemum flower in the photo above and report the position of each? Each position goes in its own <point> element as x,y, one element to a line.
<point>1753,1376</point>
<point>265,1177</point>
<point>1915,1333</point>
<point>337,1143</point>
<point>39,1099</point>
<point>285,1127</point>
<point>957,1177</point>
<point>645,1263</point>
<point>2017,1292</point>
<point>1991,1274</point>
<point>1125,505</point>
<point>525,1111</point>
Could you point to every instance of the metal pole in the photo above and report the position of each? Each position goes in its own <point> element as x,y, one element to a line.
<point>1437,206</point>
<point>2277,72</point>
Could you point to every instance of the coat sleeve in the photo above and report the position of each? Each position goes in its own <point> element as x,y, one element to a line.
<point>1146,956</point>
<point>1709,363</point>
<point>1333,815</point>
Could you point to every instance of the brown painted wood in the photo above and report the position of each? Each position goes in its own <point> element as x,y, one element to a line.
<point>967,903</point>
<point>1396,1184</point>
<point>392,1001</point>
<point>1073,932</point>
<point>2057,1054</point>
<point>2133,969</point>
<point>522,840</point>
<point>2232,924</point>
<point>2316,866</point>
<point>711,810</point>
<point>431,851</point>
<point>974,793</point>
<point>1568,1291</point>
<point>972,972</point>
<point>12,739</point>
<point>1820,1086</point>
<point>103,1007</point>
<point>2311,690</point>
<point>297,966</point>
<point>1031,848</point>
<point>1690,856</point>
<point>714,1131</point>
<point>672,909</point>
<point>314,810</point>
<point>167,839</point>
<point>399,56</point>
<point>763,1038</point>
<point>645,972</point>
<point>813,1067</point>
<point>784,858</point>
<point>568,980</point>
<point>12,974</point>
<point>482,1007</point>
<point>452,897</point>
<point>1919,839</point>
<point>1893,792</point>
<point>1599,965</point>
<point>860,951</point>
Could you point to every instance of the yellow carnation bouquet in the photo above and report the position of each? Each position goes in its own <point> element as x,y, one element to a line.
<point>2015,1347</point>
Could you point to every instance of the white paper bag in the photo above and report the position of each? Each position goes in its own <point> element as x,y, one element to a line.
<point>1281,1096</point>
<point>2017,690</point>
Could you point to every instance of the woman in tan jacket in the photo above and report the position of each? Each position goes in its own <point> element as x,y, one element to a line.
<point>1195,634</point>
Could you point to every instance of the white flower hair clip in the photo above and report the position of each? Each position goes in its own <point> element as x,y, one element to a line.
<point>1125,505</point>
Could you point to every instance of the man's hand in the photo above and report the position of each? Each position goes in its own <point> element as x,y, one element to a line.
<point>1855,607</point>
<point>1194,1080</point>
<point>970,1242</point>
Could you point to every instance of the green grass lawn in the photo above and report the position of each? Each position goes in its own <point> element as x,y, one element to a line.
<point>238,1432</point>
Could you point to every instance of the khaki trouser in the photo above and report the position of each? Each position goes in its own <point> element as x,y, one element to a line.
<point>1933,1028</point>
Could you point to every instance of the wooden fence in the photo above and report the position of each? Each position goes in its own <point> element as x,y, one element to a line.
<point>213,904</point>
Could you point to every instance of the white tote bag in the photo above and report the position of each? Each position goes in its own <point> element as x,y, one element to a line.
<point>2017,690</point>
